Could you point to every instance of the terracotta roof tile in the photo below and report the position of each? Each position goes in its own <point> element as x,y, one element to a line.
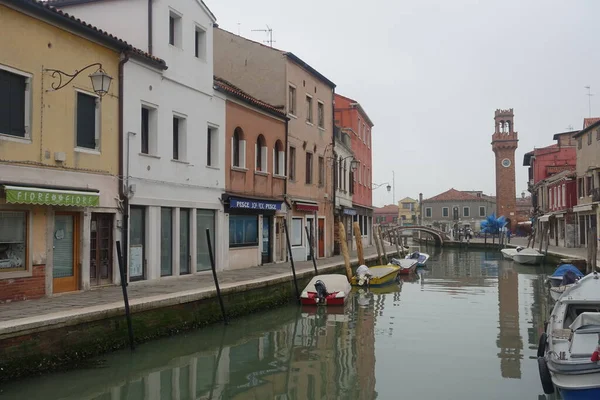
<point>389,209</point>
<point>456,195</point>
<point>45,6</point>
<point>589,121</point>
<point>228,87</point>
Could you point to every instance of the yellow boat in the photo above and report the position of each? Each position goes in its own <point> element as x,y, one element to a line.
<point>380,275</point>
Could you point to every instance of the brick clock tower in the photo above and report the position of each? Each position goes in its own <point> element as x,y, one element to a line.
<point>504,143</point>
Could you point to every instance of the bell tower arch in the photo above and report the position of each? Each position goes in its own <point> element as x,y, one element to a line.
<point>504,144</point>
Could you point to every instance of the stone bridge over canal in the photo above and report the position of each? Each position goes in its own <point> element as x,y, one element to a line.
<point>438,236</point>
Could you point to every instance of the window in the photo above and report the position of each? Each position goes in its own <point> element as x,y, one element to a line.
<point>13,241</point>
<point>200,43</point>
<point>358,129</point>
<point>137,242</point>
<point>238,149</point>
<point>87,121</point>
<point>145,129</point>
<point>309,111</point>
<point>321,114</point>
<point>597,134</point>
<point>148,130</point>
<point>321,171</point>
<point>364,133</point>
<point>166,241</point>
<point>351,180</point>
<point>580,187</point>
<point>292,100</point>
<point>260,154</point>
<point>369,138</point>
<point>296,234</point>
<point>174,29</point>
<point>184,241</point>
<point>428,212</point>
<point>482,211</point>
<point>292,163</point>
<point>179,142</point>
<point>579,143</point>
<point>212,146</point>
<point>309,168</point>
<point>340,174</point>
<point>344,175</point>
<point>589,185</point>
<point>15,100</point>
<point>243,230</point>
<point>445,212</point>
<point>205,219</point>
<point>589,137</point>
<point>466,212</point>
<point>278,159</point>
<point>564,194</point>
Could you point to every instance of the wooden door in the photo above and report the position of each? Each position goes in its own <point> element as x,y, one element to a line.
<point>321,234</point>
<point>65,257</point>
<point>101,249</point>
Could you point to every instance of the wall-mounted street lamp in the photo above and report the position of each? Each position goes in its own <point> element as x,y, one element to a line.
<point>100,79</point>
<point>377,186</point>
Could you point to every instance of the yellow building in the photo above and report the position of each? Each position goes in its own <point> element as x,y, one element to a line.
<point>59,152</point>
<point>408,211</point>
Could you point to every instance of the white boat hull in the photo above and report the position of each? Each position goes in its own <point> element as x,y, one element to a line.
<point>528,259</point>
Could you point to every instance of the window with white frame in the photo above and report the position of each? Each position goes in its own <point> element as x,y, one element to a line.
<point>292,167</point>
<point>174,28</point>
<point>278,159</point>
<point>309,109</point>
<point>179,138</point>
<point>564,195</point>
<point>87,121</point>
<point>15,103</point>
<point>321,114</point>
<point>466,211</point>
<point>296,233</point>
<point>238,148</point>
<point>292,100</point>
<point>13,240</point>
<point>212,146</point>
<point>428,212</point>
<point>200,42</point>
<point>482,211</point>
<point>321,167</point>
<point>148,130</point>
<point>260,151</point>
<point>445,212</point>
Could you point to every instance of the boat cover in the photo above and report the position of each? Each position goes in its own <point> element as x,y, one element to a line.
<point>560,271</point>
<point>585,319</point>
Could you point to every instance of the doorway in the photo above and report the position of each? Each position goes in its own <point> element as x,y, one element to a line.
<point>65,255</point>
<point>310,223</point>
<point>101,249</point>
<point>321,237</point>
<point>266,240</point>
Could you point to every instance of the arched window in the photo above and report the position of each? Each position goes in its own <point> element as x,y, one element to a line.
<point>260,157</point>
<point>278,159</point>
<point>238,149</point>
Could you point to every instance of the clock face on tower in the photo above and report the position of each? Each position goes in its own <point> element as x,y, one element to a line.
<point>506,163</point>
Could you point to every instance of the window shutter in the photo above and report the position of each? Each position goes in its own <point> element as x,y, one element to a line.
<point>243,153</point>
<point>255,156</point>
<point>275,171</point>
<point>265,159</point>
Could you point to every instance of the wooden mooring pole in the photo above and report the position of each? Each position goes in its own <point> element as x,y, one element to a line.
<point>592,250</point>
<point>125,296</point>
<point>376,237</point>
<point>289,247</point>
<point>214,273</point>
<point>359,246</point>
<point>344,248</point>
<point>382,244</point>
<point>312,251</point>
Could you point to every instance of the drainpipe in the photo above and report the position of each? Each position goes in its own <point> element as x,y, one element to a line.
<point>150,26</point>
<point>285,183</point>
<point>122,193</point>
<point>334,166</point>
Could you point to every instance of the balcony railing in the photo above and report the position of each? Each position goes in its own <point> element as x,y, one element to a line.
<point>595,194</point>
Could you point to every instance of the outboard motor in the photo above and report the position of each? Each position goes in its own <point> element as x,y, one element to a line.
<point>568,278</point>
<point>321,291</point>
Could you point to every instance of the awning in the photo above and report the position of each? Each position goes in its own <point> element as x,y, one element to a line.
<point>254,204</point>
<point>544,218</point>
<point>50,197</point>
<point>303,206</point>
<point>582,208</point>
<point>349,211</point>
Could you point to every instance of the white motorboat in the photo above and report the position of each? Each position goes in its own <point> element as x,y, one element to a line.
<point>509,253</point>
<point>563,278</point>
<point>420,257</point>
<point>566,348</point>
<point>528,257</point>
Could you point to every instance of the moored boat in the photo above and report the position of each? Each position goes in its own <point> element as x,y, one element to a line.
<point>378,275</point>
<point>528,257</point>
<point>407,265</point>
<point>509,253</point>
<point>566,350</point>
<point>326,290</point>
<point>420,257</point>
<point>563,278</point>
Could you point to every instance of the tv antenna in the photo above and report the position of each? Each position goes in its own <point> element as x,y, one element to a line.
<point>269,31</point>
<point>569,128</point>
<point>589,94</point>
<point>238,24</point>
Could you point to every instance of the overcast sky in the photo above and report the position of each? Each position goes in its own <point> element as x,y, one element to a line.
<point>430,74</point>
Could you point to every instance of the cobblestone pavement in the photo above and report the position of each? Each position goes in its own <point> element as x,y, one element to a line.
<point>139,290</point>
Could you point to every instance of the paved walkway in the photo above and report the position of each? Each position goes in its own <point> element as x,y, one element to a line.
<point>19,315</point>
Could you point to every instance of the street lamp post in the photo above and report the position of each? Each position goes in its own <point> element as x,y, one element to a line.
<point>100,79</point>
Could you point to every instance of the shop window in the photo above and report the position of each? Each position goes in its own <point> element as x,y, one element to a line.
<point>184,241</point>
<point>296,234</point>
<point>243,230</point>
<point>137,238</point>
<point>13,241</point>
<point>166,241</point>
<point>205,219</point>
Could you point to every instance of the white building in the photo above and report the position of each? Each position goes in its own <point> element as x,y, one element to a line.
<point>344,164</point>
<point>173,146</point>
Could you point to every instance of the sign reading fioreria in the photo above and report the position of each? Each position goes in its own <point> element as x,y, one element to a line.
<point>50,197</point>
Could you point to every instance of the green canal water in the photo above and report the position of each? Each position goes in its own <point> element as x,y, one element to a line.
<point>465,328</point>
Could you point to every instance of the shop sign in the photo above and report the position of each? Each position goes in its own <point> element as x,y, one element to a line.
<point>26,195</point>
<point>251,204</point>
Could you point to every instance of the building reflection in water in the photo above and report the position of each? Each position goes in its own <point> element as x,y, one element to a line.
<point>509,338</point>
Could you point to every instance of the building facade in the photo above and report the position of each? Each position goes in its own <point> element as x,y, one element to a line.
<point>504,143</point>
<point>408,211</point>
<point>174,145</point>
<point>587,209</point>
<point>283,79</point>
<point>353,119</point>
<point>386,215</point>
<point>343,169</point>
<point>255,136</point>
<point>452,207</point>
<point>59,145</point>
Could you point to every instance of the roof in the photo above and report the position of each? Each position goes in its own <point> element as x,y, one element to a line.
<point>527,158</point>
<point>354,103</point>
<point>227,87</point>
<point>457,195</point>
<point>589,121</point>
<point>310,69</point>
<point>43,9</point>
<point>591,125</point>
<point>558,135</point>
<point>408,200</point>
<point>389,209</point>
<point>65,3</point>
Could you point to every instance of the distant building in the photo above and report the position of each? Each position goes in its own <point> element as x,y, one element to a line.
<point>408,211</point>
<point>457,207</point>
<point>386,215</point>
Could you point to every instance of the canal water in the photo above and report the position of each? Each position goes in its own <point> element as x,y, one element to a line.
<point>466,327</point>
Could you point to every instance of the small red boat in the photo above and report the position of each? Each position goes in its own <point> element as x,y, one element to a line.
<point>326,290</point>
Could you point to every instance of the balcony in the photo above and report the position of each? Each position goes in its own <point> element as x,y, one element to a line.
<point>595,194</point>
